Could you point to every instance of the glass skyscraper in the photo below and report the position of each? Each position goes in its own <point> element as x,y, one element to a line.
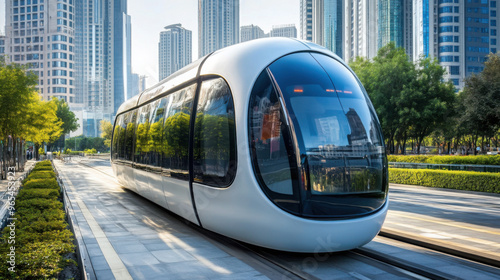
<point>390,22</point>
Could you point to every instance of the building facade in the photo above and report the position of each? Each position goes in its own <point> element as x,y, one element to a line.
<point>459,33</point>
<point>218,24</point>
<point>360,29</point>
<point>174,50</point>
<point>251,32</point>
<point>2,45</point>
<point>306,20</point>
<point>41,34</point>
<point>391,22</point>
<point>103,60</point>
<point>286,30</point>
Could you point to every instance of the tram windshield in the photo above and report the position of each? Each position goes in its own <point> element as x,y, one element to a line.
<point>336,141</point>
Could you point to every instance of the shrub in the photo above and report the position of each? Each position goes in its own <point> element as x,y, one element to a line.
<point>44,163</point>
<point>460,180</point>
<point>38,204</point>
<point>30,215</point>
<point>38,193</point>
<point>41,184</point>
<point>481,159</point>
<point>41,175</point>
<point>43,168</point>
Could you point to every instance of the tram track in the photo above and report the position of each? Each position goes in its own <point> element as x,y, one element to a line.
<point>272,263</point>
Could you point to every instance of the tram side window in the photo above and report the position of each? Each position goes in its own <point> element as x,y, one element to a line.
<point>155,130</point>
<point>129,135</point>
<point>175,141</point>
<point>215,135</point>
<point>116,136</point>
<point>142,145</point>
<point>121,135</point>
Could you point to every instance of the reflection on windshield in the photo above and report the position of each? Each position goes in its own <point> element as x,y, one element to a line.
<point>338,131</point>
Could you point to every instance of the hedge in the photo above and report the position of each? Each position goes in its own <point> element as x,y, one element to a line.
<point>42,237</point>
<point>41,184</point>
<point>480,159</point>
<point>40,175</point>
<point>460,180</point>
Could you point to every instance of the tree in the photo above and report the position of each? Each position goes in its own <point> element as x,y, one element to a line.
<point>480,102</point>
<point>386,80</point>
<point>106,132</point>
<point>430,100</point>
<point>68,119</point>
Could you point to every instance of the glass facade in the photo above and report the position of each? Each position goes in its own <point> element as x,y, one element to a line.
<point>316,143</point>
<point>391,22</point>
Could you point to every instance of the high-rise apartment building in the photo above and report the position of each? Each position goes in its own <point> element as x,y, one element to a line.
<point>103,60</point>
<point>174,49</point>
<point>41,34</point>
<point>251,32</point>
<point>360,29</point>
<point>218,24</point>
<point>286,30</point>
<point>322,23</point>
<point>408,27</point>
<point>306,20</point>
<point>460,33</point>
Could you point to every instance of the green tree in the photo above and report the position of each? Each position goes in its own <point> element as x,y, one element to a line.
<point>68,119</point>
<point>429,104</point>
<point>106,132</point>
<point>480,102</point>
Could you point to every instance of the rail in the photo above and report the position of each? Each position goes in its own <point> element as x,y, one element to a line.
<point>459,167</point>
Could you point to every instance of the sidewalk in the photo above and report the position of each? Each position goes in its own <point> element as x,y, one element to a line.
<point>128,237</point>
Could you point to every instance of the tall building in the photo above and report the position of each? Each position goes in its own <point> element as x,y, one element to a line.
<point>103,60</point>
<point>251,32</point>
<point>218,24</point>
<point>322,23</point>
<point>174,50</point>
<point>459,33</point>
<point>41,34</point>
<point>286,30</point>
<point>408,27</point>
<point>390,22</point>
<point>360,29</point>
<point>306,20</point>
<point>334,26</point>
<point>134,86</point>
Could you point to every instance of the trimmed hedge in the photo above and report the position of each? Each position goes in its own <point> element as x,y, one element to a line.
<point>42,237</point>
<point>480,160</point>
<point>41,184</point>
<point>460,180</point>
<point>38,193</point>
<point>40,175</point>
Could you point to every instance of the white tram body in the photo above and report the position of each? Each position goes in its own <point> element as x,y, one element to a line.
<point>273,142</point>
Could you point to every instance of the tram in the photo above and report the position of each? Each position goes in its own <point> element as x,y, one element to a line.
<point>273,142</point>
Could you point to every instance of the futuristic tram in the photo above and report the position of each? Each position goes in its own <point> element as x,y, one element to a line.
<point>273,142</point>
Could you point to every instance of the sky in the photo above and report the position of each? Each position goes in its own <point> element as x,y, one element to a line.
<point>149,17</point>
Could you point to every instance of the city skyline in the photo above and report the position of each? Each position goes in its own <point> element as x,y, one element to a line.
<point>149,17</point>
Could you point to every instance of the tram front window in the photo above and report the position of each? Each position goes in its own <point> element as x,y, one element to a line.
<point>341,149</point>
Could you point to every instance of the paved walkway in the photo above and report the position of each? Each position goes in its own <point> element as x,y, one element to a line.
<point>127,237</point>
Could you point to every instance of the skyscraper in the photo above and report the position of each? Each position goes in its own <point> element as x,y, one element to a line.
<point>174,50</point>
<point>360,29</point>
<point>459,33</point>
<point>306,20</point>
<point>218,24</point>
<point>334,26</point>
<point>41,34</point>
<point>103,60</point>
<point>322,23</point>
<point>251,32</point>
<point>390,22</point>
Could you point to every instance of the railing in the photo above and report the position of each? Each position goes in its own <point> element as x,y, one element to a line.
<point>461,167</point>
